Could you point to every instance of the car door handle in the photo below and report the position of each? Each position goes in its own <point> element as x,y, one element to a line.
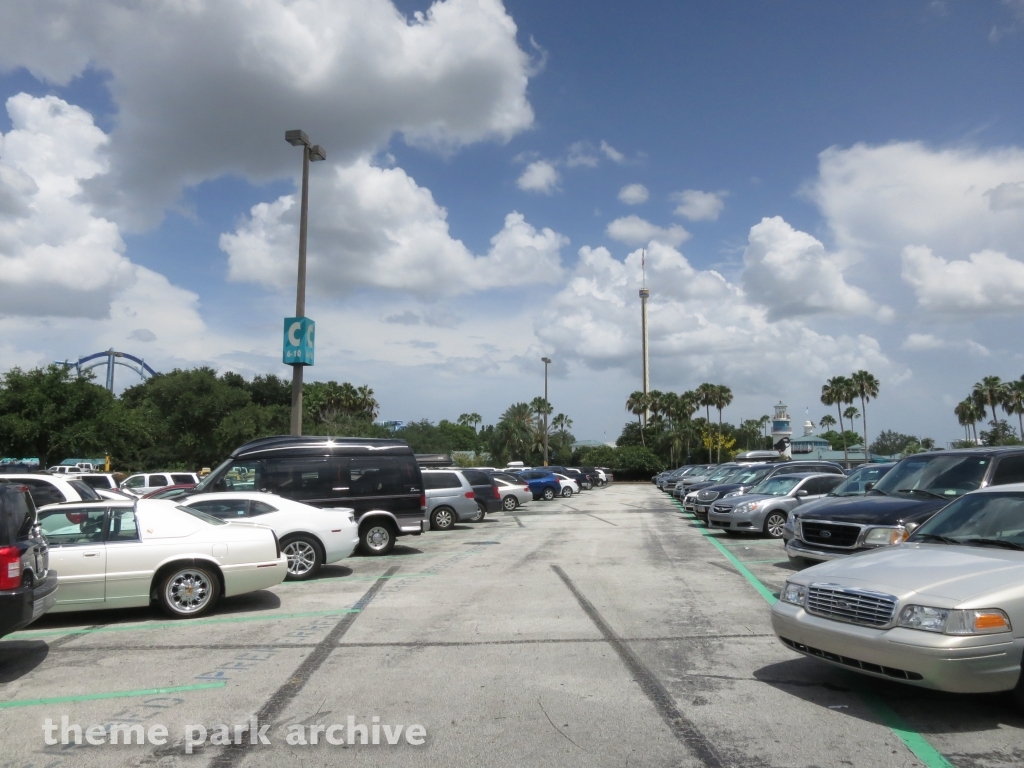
<point>92,554</point>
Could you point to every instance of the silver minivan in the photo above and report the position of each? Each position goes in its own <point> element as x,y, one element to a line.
<point>450,499</point>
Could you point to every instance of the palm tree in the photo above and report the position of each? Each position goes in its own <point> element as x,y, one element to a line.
<point>835,392</point>
<point>827,422</point>
<point>655,405</point>
<point>865,386</point>
<point>764,421</point>
<point>637,404</point>
<point>706,398</point>
<point>964,411</point>
<point>1013,401</point>
<point>991,391</point>
<point>515,429</point>
<point>723,396</point>
<point>470,420</point>
<point>851,413</point>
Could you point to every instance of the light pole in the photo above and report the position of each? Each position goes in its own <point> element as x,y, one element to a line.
<point>547,362</point>
<point>310,153</point>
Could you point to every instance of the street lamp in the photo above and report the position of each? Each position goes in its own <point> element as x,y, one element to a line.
<point>298,341</point>
<point>547,362</point>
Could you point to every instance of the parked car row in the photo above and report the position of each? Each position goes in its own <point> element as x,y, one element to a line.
<point>910,571</point>
<point>277,508</point>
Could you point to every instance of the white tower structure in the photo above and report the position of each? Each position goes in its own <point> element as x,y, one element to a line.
<point>782,431</point>
<point>644,293</point>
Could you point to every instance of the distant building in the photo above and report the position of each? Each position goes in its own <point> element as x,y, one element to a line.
<point>782,431</point>
<point>809,442</point>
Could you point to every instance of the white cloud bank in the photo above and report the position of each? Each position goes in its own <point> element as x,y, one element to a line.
<point>539,176</point>
<point>632,230</point>
<point>207,88</point>
<point>695,205</point>
<point>987,282</point>
<point>634,194</point>
<point>375,227</point>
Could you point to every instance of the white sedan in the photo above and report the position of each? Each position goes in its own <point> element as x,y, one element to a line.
<point>514,491</point>
<point>125,554</point>
<point>569,486</point>
<point>310,536</point>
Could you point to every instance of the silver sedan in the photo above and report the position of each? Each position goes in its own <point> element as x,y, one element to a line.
<point>514,492</point>
<point>944,610</point>
<point>768,505</point>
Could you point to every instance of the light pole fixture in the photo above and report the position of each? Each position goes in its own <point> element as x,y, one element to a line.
<point>298,330</point>
<point>547,362</point>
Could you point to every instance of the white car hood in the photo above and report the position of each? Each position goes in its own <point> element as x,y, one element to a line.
<point>955,573</point>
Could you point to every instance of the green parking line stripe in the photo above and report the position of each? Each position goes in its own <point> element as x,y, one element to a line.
<point>29,634</point>
<point>113,695</point>
<point>912,740</point>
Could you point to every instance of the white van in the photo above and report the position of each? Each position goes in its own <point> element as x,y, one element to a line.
<point>141,484</point>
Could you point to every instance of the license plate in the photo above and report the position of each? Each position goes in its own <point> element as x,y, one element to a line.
<point>38,608</point>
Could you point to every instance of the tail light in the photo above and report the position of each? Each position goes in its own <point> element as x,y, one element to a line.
<point>497,495</point>
<point>526,487</point>
<point>10,567</point>
<point>423,503</point>
<point>470,494</point>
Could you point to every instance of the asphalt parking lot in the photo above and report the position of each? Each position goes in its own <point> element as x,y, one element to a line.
<point>605,629</point>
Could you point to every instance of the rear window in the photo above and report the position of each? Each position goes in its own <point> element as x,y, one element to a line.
<point>202,516</point>
<point>44,493</point>
<point>476,477</point>
<point>182,479</point>
<point>16,515</point>
<point>508,478</point>
<point>87,493</point>
<point>157,481</point>
<point>95,481</point>
<point>434,480</point>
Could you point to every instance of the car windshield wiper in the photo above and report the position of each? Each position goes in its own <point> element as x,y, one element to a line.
<point>994,543</point>
<point>922,490</point>
<point>936,537</point>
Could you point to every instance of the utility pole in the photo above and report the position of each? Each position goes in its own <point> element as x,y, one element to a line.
<point>547,362</point>
<point>644,294</point>
<point>298,342</point>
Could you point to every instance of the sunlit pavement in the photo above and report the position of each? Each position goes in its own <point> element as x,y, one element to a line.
<point>605,629</point>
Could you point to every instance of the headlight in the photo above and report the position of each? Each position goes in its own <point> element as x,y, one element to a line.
<point>749,506</point>
<point>885,537</point>
<point>954,622</point>
<point>732,493</point>
<point>793,593</point>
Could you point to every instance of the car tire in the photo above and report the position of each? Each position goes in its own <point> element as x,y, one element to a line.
<point>305,556</point>
<point>775,524</point>
<point>799,563</point>
<point>188,591</point>
<point>377,538</point>
<point>442,519</point>
<point>566,492</point>
<point>509,503</point>
<point>548,493</point>
<point>481,512</point>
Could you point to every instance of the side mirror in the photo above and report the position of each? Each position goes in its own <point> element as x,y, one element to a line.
<point>868,487</point>
<point>802,492</point>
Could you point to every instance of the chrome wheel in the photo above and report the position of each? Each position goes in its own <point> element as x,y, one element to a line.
<point>775,524</point>
<point>189,591</point>
<point>301,557</point>
<point>510,503</point>
<point>549,494</point>
<point>377,539</point>
<point>480,512</point>
<point>566,492</point>
<point>443,519</point>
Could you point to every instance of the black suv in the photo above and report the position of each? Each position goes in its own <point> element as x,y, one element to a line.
<point>377,478</point>
<point>488,497</point>
<point>28,588</point>
<point>910,493</point>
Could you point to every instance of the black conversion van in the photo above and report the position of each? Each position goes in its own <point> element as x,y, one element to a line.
<point>377,478</point>
<point>28,588</point>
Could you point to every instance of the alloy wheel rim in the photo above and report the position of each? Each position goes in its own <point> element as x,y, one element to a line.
<point>510,503</point>
<point>442,518</point>
<point>189,591</point>
<point>776,525</point>
<point>301,557</point>
<point>378,537</point>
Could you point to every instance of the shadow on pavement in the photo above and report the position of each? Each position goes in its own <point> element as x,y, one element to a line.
<point>19,657</point>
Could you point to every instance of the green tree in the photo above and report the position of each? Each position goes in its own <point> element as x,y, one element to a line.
<point>891,443</point>
<point>840,441</point>
<point>470,420</point>
<point>992,391</point>
<point>827,422</point>
<point>637,404</point>
<point>969,413</point>
<point>1001,433</point>
<point>836,391</point>
<point>722,397</point>
<point>514,432</point>
<point>865,386</point>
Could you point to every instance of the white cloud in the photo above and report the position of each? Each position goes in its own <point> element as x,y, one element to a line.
<point>203,89</point>
<point>988,282</point>
<point>612,153</point>
<point>926,342</point>
<point>56,256</point>
<point>701,327</point>
<point>581,153</point>
<point>1006,197</point>
<point>375,227</point>
<point>634,194</point>
<point>632,230</point>
<point>699,206</point>
<point>538,176</point>
<point>792,274</point>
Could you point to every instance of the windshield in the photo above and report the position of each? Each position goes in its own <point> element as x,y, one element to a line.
<point>856,483</point>
<point>983,519</point>
<point>776,486</point>
<point>721,473</point>
<point>945,476</point>
<point>208,481</point>
<point>748,476</point>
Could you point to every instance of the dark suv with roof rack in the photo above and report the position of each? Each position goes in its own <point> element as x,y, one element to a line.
<point>910,493</point>
<point>28,588</point>
<point>378,479</point>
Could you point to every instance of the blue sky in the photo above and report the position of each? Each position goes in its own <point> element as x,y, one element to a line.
<point>897,250</point>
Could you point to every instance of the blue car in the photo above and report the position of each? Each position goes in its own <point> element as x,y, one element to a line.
<point>543,483</point>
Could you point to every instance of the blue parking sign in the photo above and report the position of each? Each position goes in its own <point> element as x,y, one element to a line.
<point>298,341</point>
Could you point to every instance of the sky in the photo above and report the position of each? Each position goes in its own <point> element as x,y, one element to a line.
<point>818,188</point>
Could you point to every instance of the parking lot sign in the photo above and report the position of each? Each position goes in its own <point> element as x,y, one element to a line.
<point>298,341</point>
